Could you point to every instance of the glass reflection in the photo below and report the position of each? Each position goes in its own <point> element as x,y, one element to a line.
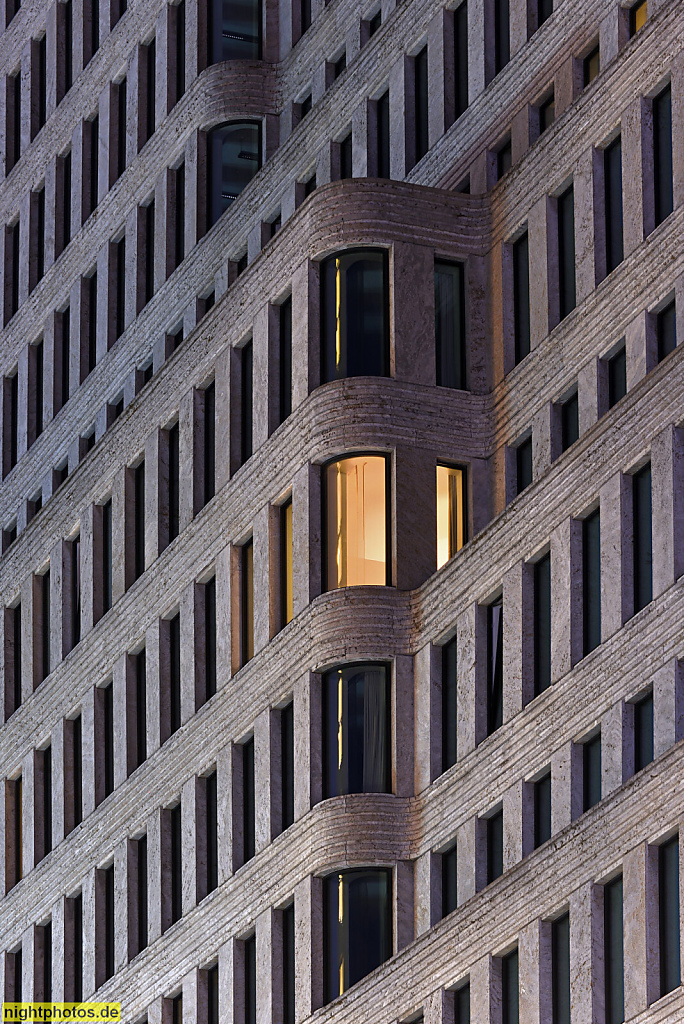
<point>357,927</point>
<point>451,532</point>
<point>234,30</point>
<point>233,158</point>
<point>355,324</point>
<point>356,731</point>
<point>356,522</point>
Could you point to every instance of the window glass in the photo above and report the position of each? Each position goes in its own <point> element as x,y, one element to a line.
<point>356,715</point>
<point>521,296</point>
<point>449,881</point>
<point>637,17</point>
<point>451,532</point>
<point>662,153</point>
<point>356,522</point>
<point>542,624</point>
<point>560,974</point>
<point>494,666</point>
<point>591,751</point>
<point>643,538</point>
<point>542,810</point>
<point>591,66</point>
<point>494,846</point>
<point>613,951</point>
<point>510,1008</point>
<point>523,460</point>
<point>462,1004</point>
<point>449,704</point>
<point>643,732</point>
<point>233,157</point>
<point>286,567</point>
<point>234,30</point>
<point>668,914</point>
<point>617,377</point>
<point>666,331</point>
<point>591,581</point>
<point>450,324</point>
<point>355,322</point>
<point>357,927</point>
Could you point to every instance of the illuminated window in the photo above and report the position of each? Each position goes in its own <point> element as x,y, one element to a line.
<point>591,66</point>
<point>356,520</point>
<point>637,17</point>
<point>356,731</point>
<point>286,577</point>
<point>234,157</point>
<point>451,513</point>
<point>355,321</point>
<point>357,927</point>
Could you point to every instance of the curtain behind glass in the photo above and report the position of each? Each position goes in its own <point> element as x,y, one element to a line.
<point>355,323</point>
<point>357,927</point>
<point>356,522</point>
<point>233,157</point>
<point>356,731</point>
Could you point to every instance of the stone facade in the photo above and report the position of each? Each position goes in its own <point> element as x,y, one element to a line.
<point>82,431</point>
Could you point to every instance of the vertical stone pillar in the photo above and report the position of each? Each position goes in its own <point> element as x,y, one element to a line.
<point>542,258</point>
<point>667,469</point>
<point>668,706</point>
<point>534,965</point>
<point>308,946</point>
<point>586,953</point>
<point>191,826</point>
<point>640,923</point>
<point>616,550</point>
<point>427,669</point>
<point>566,786</point>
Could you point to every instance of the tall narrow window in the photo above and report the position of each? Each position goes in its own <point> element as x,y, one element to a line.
<point>494,846</point>
<point>637,16</point>
<point>77,754</point>
<point>212,832</point>
<point>462,1004</point>
<point>542,624</point>
<point>177,1009</point>
<point>356,739</point>
<point>140,668</point>
<point>542,810</point>
<point>569,421</point>
<point>139,520</point>
<point>45,625</point>
<point>176,864</point>
<point>12,652</point>
<point>591,66</point>
<point>246,602</point>
<point>510,989</point>
<point>504,159</point>
<point>662,154</point>
<point>62,360</point>
<point>209,442</point>
<point>234,157</point>
<point>355,315</point>
<point>75,590</point>
<point>612,180</point>
<point>356,522</point>
<point>617,377</point>
<point>14,832</point>
<point>179,216</point>
<point>91,329</point>
<point>591,582</point>
<point>248,800</point>
<point>40,233</point>
<point>357,927</point>
<point>383,136</point>
<point>12,271</point>
<point>174,481</point>
<point>180,49</point>
<point>121,91</point>
<point>174,674</point>
<point>234,30</point>
<point>544,11</point>
<point>93,153</point>
<point>591,771</point>
<point>613,953</point>
<point>148,217</point>
<point>68,45</point>
<point>347,157</point>
<point>150,88</point>
<point>10,422</point>
<point>289,964</point>
<point>305,15</point>
<point>94,27</point>
<point>287,765</point>
<point>560,969</point>
<point>521,296</point>
<point>41,83</point>
<point>449,704</point>
<point>36,389</point>
<point>502,41</point>
<point>109,962</point>
<point>246,401</point>
<point>494,666</point>
<point>643,540</point>
<point>44,943</point>
<point>13,143</point>
<point>106,556</point>
<point>566,252</point>
<point>120,287</point>
<point>77,947</point>
<point>107,698</point>
<point>643,732</point>
<point>666,330</point>
<point>461,58</point>
<point>213,995</point>
<point>421,103</point>
<point>141,892</point>
<point>450,325</point>
<point>286,563</point>
<point>285,359</point>
<point>451,512</point>
<point>449,880</point>
<point>210,637</point>
<point>45,821</point>
<point>250,980</point>
<point>668,914</point>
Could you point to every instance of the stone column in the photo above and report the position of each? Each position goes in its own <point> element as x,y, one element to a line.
<point>308,946</point>
<point>668,706</point>
<point>640,923</point>
<point>616,551</point>
<point>586,953</point>
<point>427,668</point>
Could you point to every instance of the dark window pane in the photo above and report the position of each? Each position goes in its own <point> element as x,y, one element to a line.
<point>591,775</point>
<point>212,832</point>
<point>666,329</point>
<point>109,921</point>
<point>542,624</point>
<point>213,995</point>
<point>566,252</point>
<point>544,10</point>
<point>234,30</point>
<point>421,103</point>
<point>643,732</point>
<point>617,377</point>
<point>569,421</point>
<point>357,936</point>
<point>494,846</point>
<point>449,704</point>
<point>450,326</point>
<point>591,581</point>
<point>504,160</point>
<point>560,969</point>
<point>461,57</point>
<point>356,715</point>
<point>449,881</point>
<point>494,666</point>
<point>662,154</point>
<point>210,637</point>
<point>140,708</point>
<point>523,459</point>
<point>285,359</point>
<point>289,965</point>
<point>248,796</point>
<point>510,994</point>
<point>613,951</point>
<point>502,44</point>
<point>668,914</point>
<point>234,157</point>
<point>246,399</point>
<point>612,175</point>
<point>355,324</point>
<point>142,892</point>
<point>77,748</point>
<point>542,810</point>
<point>174,674</point>
<point>139,520</point>
<point>209,442</point>
<point>643,542</point>
<point>462,1005</point>
<point>521,297</point>
<point>383,136</point>
<point>174,481</point>
<point>287,764</point>
<point>591,66</point>
<point>250,980</point>
<point>176,864</point>
<point>108,729</point>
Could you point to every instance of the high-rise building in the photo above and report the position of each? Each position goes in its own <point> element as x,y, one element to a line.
<point>342,509</point>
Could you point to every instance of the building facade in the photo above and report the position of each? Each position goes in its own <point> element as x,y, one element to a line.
<point>342,509</point>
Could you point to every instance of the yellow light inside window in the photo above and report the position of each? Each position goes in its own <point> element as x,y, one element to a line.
<point>248,602</point>
<point>450,513</point>
<point>639,16</point>
<point>357,522</point>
